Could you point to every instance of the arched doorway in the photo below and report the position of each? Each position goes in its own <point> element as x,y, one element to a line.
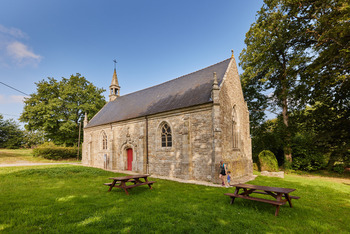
<point>129,159</point>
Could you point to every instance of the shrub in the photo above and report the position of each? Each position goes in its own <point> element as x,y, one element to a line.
<point>268,161</point>
<point>339,168</point>
<point>49,150</point>
<point>306,155</point>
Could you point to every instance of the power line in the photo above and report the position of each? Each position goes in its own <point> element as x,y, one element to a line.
<point>14,88</point>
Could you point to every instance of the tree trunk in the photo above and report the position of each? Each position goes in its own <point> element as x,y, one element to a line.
<point>287,149</point>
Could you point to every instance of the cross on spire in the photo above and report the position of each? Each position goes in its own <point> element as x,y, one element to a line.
<point>115,63</point>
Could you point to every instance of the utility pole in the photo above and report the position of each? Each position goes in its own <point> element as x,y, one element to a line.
<point>79,141</point>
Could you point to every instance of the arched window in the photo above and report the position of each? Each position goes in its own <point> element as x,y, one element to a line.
<point>104,140</point>
<point>235,134</point>
<point>166,135</point>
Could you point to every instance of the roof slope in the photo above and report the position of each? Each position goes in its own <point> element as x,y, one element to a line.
<point>185,91</point>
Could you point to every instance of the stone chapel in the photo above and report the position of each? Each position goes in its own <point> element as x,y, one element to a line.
<point>178,129</point>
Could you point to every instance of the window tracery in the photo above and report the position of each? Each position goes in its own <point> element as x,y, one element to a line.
<point>166,136</point>
<point>104,140</point>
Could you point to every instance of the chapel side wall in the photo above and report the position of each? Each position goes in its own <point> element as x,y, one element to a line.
<point>190,156</point>
<point>129,135</point>
<point>120,137</point>
<point>238,159</point>
<point>93,153</point>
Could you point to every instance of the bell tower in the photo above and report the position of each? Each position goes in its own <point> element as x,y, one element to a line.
<point>114,88</point>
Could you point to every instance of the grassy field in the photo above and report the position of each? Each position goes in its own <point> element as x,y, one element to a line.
<point>73,199</point>
<point>12,156</point>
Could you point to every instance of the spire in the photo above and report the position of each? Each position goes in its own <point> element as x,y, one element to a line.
<point>114,88</point>
<point>115,78</point>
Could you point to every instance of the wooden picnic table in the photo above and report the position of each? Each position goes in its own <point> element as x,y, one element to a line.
<point>120,182</point>
<point>281,195</point>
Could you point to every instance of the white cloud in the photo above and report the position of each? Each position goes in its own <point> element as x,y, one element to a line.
<point>20,52</point>
<point>14,32</point>
<point>11,99</point>
<point>16,99</point>
<point>15,52</point>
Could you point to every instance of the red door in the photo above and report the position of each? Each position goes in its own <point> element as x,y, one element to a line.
<point>129,153</point>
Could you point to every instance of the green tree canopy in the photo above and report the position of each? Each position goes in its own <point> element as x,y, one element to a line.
<point>58,107</point>
<point>272,61</point>
<point>11,136</point>
<point>327,26</point>
<point>297,55</point>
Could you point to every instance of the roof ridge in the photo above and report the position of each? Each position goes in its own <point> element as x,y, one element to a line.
<point>172,79</point>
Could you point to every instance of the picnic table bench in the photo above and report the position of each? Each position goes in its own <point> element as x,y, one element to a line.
<point>120,182</point>
<point>275,192</point>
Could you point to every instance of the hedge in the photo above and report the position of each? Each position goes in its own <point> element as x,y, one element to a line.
<point>51,151</point>
<point>268,161</point>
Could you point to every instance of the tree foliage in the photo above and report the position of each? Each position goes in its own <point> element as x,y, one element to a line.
<point>58,107</point>
<point>309,154</point>
<point>327,26</point>
<point>11,136</point>
<point>33,138</point>
<point>297,55</point>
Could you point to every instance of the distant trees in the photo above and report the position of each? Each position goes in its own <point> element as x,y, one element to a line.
<point>11,136</point>
<point>297,63</point>
<point>58,107</point>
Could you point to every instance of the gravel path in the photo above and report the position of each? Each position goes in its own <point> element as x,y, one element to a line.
<point>33,164</point>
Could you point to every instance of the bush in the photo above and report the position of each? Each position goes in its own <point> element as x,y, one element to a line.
<point>268,161</point>
<point>306,155</point>
<point>339,168</point>
<point>49,150</point>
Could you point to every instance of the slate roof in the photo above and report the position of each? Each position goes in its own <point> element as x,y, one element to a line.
<point>185,91</point>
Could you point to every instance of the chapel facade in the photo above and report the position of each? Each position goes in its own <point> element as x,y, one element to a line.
<point>178,129</point>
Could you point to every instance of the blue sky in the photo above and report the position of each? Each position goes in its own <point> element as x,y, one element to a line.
<point>153,41</point>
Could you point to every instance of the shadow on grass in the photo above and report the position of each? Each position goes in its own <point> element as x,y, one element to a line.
<point>65,198</point>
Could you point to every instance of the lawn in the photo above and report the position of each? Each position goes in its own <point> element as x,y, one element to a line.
<point>12,156</point>
<point>73,199</point>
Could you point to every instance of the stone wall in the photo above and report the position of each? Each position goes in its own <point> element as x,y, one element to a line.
<point>190,156</point>
<point>235,135</point>
<point>201,137</point>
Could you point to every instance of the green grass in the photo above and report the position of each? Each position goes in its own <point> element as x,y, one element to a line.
<point>73,199</point>
<point>11,156</point>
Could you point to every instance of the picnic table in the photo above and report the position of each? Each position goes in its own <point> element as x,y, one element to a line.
<point>280,195</point>
<point>120,182</point>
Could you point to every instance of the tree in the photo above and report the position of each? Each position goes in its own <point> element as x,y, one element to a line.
<point>327,29</point>
<point>298,54</point>
<point>272,61</point>
<point>58,107</point>
<point>11,136</point>
<point>33,138</point>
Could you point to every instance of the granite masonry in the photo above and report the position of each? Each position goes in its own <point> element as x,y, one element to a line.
<point>179,129</point>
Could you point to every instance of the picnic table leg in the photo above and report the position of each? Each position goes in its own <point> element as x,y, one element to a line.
<point>149,185</point>
<point>233,198</point>
<point>288,199</point>
<point>278,198</point>
<point>277,210</point>
<point>112,185</point>
<point>123,185</point>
